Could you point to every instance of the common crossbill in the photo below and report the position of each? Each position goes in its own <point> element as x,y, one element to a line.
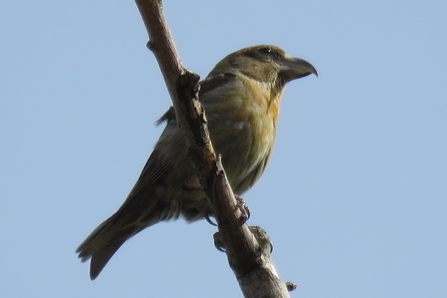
<point>241,98</point>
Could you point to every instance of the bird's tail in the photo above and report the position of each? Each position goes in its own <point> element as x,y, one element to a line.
<point>102,243</point>
<point>142,208</point>
<point>107,238</point>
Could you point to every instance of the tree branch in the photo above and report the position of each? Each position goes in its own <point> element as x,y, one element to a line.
<point>161,42</point>
<point>247,248</point>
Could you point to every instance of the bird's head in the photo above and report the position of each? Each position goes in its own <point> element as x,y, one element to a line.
<point>265,63</point>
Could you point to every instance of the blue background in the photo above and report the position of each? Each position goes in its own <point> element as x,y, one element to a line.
<point>354,198</point>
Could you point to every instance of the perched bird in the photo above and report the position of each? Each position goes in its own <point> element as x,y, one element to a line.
<point>241,97</point>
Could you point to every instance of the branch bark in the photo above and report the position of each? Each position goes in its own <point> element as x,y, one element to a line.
<point>247,248</point>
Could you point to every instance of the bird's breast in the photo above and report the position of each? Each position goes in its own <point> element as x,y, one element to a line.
<point>242,127</point>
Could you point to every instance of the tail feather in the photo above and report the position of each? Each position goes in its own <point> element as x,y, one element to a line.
<point>101,258</point>
<point>103,242</point>
<point>141,209</point>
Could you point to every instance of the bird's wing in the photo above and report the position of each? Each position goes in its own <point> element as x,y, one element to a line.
<point>154,168</point>
<point>212,83</point>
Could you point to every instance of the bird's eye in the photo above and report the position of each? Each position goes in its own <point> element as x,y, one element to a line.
<point>265,50</point>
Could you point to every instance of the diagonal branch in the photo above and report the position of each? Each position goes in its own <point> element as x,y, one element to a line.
<point>161,42</point>
<point>247,248</point>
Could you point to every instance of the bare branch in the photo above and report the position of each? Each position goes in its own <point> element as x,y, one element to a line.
<point>248,248</point>
<point>161,42</point>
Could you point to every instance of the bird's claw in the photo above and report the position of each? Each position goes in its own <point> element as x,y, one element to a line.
<point>208,219</point>
<point>241,205</point>
<point>261,237</point>
<point>243,208</point>
<point>218,242</point>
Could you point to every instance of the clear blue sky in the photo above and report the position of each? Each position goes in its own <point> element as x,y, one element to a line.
<point>355,196</point>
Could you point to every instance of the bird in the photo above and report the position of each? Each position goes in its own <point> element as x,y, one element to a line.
<point>241,97</point>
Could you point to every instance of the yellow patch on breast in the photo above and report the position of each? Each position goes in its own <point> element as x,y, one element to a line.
<point>273,109</point>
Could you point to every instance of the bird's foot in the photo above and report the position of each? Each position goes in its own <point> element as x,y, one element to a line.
<point>209,220</point>
<point>193,183</point>
<point>243,208</point>
<point>218,242</point>
<point>265,245</point>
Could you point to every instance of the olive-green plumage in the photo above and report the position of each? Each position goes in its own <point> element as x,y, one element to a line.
<point>241,97</point>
